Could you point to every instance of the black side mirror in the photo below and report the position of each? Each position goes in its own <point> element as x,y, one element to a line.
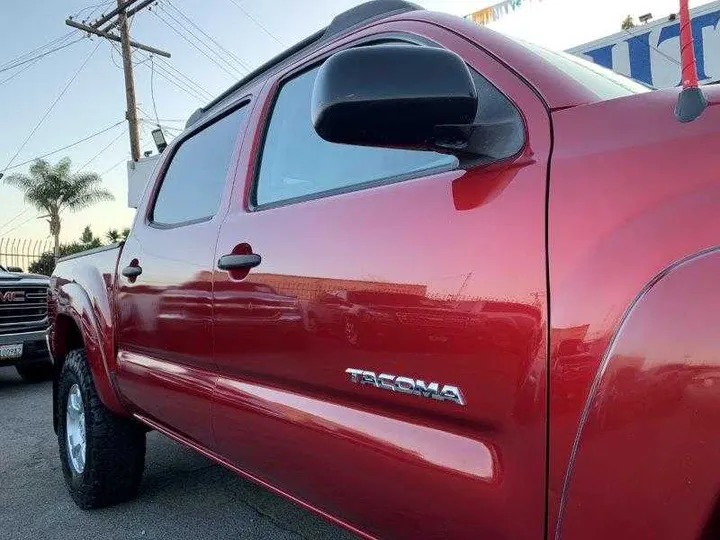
<point>393,96</point>
<point>15,269</point>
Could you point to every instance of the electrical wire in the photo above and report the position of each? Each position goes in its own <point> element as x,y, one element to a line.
<point>52,106</point>
<point>19,214</point>
<point>18,165</point>
<point>50,43</point>
<point>104,148</point>
<point>42,55</point>
<point>193,44</point>
<point>253,19</point>
<point>28,66</point>
<point>219,46</point>
<point>94,8</point>
<point>152,88</point>
<point>161,62</point>
<point>20,224</point>
<point>123,160</point>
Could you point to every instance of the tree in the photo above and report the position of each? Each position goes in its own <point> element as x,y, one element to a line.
<point>125,233</point>
<point>52,190</point>
<point>628,23</point>
<point>112,236</point>
<point>46,263</point>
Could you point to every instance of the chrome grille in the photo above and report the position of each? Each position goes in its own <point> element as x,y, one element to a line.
<point>30,314</point>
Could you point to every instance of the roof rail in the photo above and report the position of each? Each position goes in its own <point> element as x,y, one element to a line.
<point>362,14</point>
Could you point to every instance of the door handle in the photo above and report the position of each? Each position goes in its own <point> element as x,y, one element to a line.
<point>235,262</point>
<point>131,271</point>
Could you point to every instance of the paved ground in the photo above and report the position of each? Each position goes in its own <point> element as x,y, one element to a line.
<point>183,495</point>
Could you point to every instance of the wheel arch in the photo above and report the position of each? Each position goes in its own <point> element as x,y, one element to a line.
<point>75,325</point>
<point>645,462</point>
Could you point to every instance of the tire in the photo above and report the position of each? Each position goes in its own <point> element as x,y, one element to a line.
<point>114,458</point>
<point>35,372</point>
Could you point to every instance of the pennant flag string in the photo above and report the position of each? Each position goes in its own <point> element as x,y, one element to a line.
<point>497,11</point>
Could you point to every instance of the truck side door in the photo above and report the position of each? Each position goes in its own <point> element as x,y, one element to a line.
<point>423,246</point>
<point>164,299</point>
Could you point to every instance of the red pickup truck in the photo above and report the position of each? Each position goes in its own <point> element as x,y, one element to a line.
<point>519,258</point>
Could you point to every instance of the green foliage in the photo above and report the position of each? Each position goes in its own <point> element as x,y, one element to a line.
<point>627,23</point>
<point>46,263</point>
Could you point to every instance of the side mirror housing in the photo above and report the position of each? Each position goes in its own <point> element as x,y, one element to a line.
<point>393,96</point>
<point>15,269</point>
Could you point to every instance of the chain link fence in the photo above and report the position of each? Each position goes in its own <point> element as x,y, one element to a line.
<point>22,252</point>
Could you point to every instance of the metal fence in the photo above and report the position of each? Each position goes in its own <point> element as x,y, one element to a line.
<point>22,252</point>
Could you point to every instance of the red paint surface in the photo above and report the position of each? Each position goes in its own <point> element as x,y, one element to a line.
<point>452,269</point>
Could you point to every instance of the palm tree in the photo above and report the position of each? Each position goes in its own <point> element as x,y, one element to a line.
<point>52,190</point>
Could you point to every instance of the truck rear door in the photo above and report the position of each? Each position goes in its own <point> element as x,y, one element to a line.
<point>443,273</point>
<point>164,299</point>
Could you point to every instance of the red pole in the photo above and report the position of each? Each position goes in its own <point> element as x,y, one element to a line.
<point>687,48</point>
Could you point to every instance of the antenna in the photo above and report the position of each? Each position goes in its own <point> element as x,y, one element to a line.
<point>691,101</point>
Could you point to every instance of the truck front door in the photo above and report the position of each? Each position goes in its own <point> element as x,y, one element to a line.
<point>445,267</point>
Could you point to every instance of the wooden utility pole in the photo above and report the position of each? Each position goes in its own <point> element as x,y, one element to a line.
<point>122,12</point>
<point>131,113</point>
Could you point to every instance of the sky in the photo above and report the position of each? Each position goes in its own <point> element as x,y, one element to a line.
<point>253,31</point>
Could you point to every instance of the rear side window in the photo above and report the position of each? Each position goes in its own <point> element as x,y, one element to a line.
<point>297,163</point>
<point>194,181</point>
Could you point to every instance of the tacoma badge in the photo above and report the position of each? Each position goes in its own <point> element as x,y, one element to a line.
<point>407,385</point>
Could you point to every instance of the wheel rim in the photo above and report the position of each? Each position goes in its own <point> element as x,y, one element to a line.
<point>75,428</point>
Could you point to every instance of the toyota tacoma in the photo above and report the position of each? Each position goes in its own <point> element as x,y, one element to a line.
<point>536,239</point>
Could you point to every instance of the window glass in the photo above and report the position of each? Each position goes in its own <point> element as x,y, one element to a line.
<point>602,82</point>
<point>296,162</point>
<point>195,179</point>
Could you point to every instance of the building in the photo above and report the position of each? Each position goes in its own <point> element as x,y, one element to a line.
<point>650,53</point>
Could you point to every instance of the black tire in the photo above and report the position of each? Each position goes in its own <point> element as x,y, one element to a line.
<point>35,372</point>
<point>115,446</point>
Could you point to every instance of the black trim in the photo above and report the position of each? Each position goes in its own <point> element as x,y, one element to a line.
<point>177,144</point>
<point>91,251</point>
<point>342,23</point>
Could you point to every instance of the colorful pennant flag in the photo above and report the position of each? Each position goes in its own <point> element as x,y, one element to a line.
<point>493,13</point>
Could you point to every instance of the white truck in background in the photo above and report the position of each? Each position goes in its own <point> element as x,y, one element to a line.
<point>650,53</point>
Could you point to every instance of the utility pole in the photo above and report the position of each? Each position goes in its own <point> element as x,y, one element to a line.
<point>131,113</point>
<point>122,13</point>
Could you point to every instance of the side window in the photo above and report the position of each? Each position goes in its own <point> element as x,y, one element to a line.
<point>296,162</point>
<point>194,181</point>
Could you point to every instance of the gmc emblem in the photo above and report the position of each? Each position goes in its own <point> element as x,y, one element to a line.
<point>12,296</point>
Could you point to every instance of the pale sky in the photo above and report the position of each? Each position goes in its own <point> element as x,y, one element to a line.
<point>95,99</point>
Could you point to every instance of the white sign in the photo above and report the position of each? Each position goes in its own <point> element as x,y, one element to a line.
<point>651,53</point>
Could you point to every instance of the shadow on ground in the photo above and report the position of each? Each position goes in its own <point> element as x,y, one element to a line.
<point>183,495</point>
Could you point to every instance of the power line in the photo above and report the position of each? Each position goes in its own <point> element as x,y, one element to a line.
<point>17,166</point>
<point>28,66</point>
<point>20,213</point>
<point>219,46</point>
<point>94,8</point>
<point>104,148</point>
<point>123,160</point>
<point>169,67</point>
<point>41,55</point>
<point>253,19</point>
<point>38,49</point>
<point>52,106</point>
<point>152,88</point>
<point>21,224</point>
<point>174,29</point>
<point>202,42</point>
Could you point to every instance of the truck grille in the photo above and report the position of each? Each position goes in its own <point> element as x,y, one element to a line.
<point>23,309</point>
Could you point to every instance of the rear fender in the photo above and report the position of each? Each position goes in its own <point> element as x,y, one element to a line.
<point>646,458</point>
<point>94,322</point>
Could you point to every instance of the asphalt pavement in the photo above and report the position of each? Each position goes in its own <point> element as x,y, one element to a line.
<point>183,495</point>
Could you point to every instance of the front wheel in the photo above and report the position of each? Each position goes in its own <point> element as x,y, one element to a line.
<point>102,454</point>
